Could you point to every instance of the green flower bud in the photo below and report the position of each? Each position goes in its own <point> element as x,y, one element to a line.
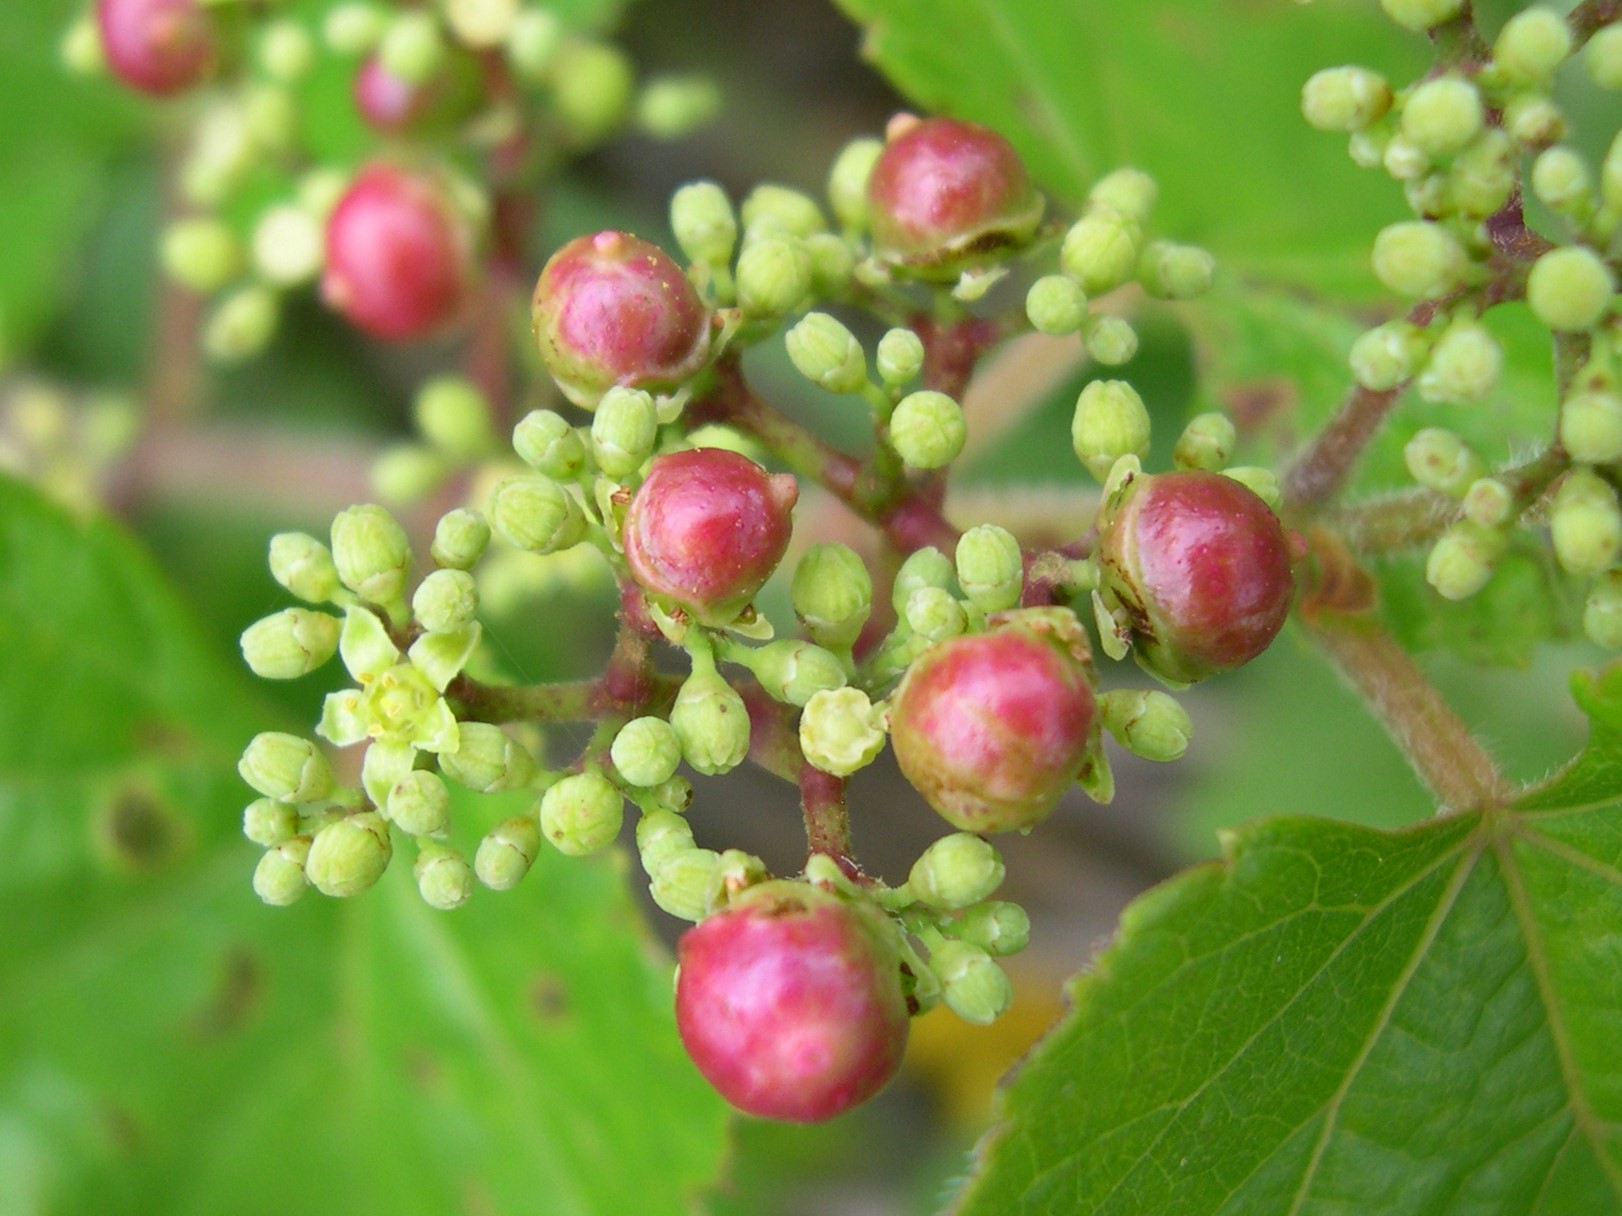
<point>1442,115</point>
<point>956,871</point>
<point>687,884</point>
<point>660,836</point>
<point>933,613</point>
<point>537,514</point>
<point>1418,259</point>
<point>1130,192</point>
<point>290,643</point>
<point>454,416</point>
<point>646,752</point>
<point>582,813</point>
<point>1585,523</point>
<point>444,879</point>
<point>773,276</point>
<point>546,442</point>
<point>268,823</point>
<point>201,253</point>
<point>348,856</point>
<point>1561,181</point>
<point>672,106</point>
<point>1367,148</point>
<point>304,566</point>
<point>1440,460</point>
<point>1388,354</point>
<point>1263,483</point>
<point>1405,160</point>
<point>1570,288</point>
<point>832,594</point>
<point>419,804</point>
<point>927,567</point>
<point>1100,251</point>
<point>674,795</point>
<point>702,218</point>
<point>279,879</point>
<point>623,431</point>
<point>353,29</point>
<point>533,41</point>
<point>1421,15</point>
<point>712,723</point>
<point>1602,612</point>
<point>1483,175</point>
<point>827,354</point>
<point>1176,272</point>
<point>407,473</point>
<point>1110,421</point>
<point>990,568</point>
<point>1345,99</point>
<point>997,927</point>
<point>1591,426</point>
<point>928,430</point>
<point>847,181</point>
<point>370,553</point>
<point>833,263</point>
<point>1464,365</point>
<point>1056,305</point>
<point>899,357</point>
<point>793,671</point>
<point>80,49</point>
<point>1603,56</point>
<point>972,985</point>
<point>1147,723</point>
<point>460,538</point>
<point>481,23</point>
<point>242,325</point>
<point>446,600</point>
<point>778,210</point>
<point>507,852</point>
<point>413,47</point>
<point>1206,443</point>
<point>1463,559</point>
<point>841,731</point>
<point>1531,46</point>
<point>592,88</point>
<point>1533,120</point>
<point>286,767</point>
<point>288,246</point>
<point>1111,340</point>
<point>1489,502</point>
<point>487,759</point>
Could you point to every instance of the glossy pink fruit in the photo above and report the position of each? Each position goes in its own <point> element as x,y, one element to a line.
<point>992,728</point>
<point>612,309</point>
<point>157,46</point>
<point>789,1001</point>
<point>1201,566</point>
<point>398,260</point>
<point>707,528</point>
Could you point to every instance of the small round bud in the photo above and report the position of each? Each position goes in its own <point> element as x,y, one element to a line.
<point>1464,365</point>
<point>793,671</point>
<point>840,732</point>
<point>290,643</point>
<point>899,357</point>
<point>582,813</point>
<point>286,767</point>
<point>1602,612</point>
<point>1561,180</point>
<point>507,851</point>
<point>1111,340</point>
<point>827,354</point>
<point>1531,46</point>
<point>1463,559</point>
<point>444,879</point>
<point>704,224</point>
<point>487,759</point>
<point>623,431</point>
<point>279,878</point>
<point>460,538</point>
<point>847,181</point>
<point>1131,192</point>
<point>660,836</point>
<point>1100,250</point>
<point>956,871</point>
<point>537,514</point>
<point>268,823</point>
<point>354,28</point>
<point>1585,523</point>
<point>1404,160</point>
<point>419,804</point>
<point>1534,120</point>
<point>781,211</point>
<point>927,567</point>
<point>674,795</point>
<point>242,325</point>
<point>773,276</point>
<point>1345,99</point>
<point>454,416</point>
<point>1442,115</point>
<point>1388,354</point>
<point>686,885</point>
<point>997,927</point>
<point>1259,480</point>
<point>672,106</point>
<point>1603,56</point>
<point>481,23</point>
<point>446,600</point>
<point>1056,305</point>
<point>646,752</point>
<point>159,47</point>
<point>990,568</point>
<point>304,566</point>
<point>546,442</point>
<point>832,594</point>
<point>1489,502</point>
<point>1591,426</point>
<point>593,84</point>
<point>350,855</point>
<point>80,47</point>
<point>407,473</point>
<point>928,429</point>
<point>370,553</point>
<point>201,253</point>
<point>1418,259</point>
<point>287,246</point>
<point>1570,288</point>
<point>1483,175</point>
<point>1147,723</point>
<point>712,723</point>
<point>413,47</point>
<point>1421,15</point>
<point>1206,443</point>
<point>972,985</point>
<point>1176,272</point>
<point>533,42</point>
<point>933,613</point>
<point>1110,421</point>
<point>1440,460</point>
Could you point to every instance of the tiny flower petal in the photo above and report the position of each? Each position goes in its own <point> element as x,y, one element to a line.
<point>365,646</point>
<point>343,718</point>
<point>441,656</point>
<point>385,765</point>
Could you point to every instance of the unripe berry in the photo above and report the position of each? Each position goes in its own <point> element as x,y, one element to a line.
<point>157,46</point>
<point>944,194</point>
<point>1201,567</point>
<point>1418,259</point>
<point>1206,443</point>
<point>1442,115</point>
<point>612,309</point>
<point>444,879</point>
<point>832,594</point>
<point>487,759</point>
<point>582,813</point>
<point>1464,365</point>
<point>370,553</point>
<point>972,985</point>
<point>841,731</point>
<point>1602,612</point>
<point>1421,15</point>
<point>1570,288</point>
<point>1531,46</point>
<point>397,256</point>
<point>1603,56</point>
<point>1056,305</point>
<point>928,430</point>
<point>704,224</point>
<point>1591,426</point>
<point>646,751</point>
<point>827,354</point>
<point>1110,421</point>
<point>789,1001</point>
<point>990,568</point>
<point>1585,523</point>
<point>419,804</point>
<point>991,728</point>
<point>460,538</point>
<point>1345,99</point>
<point>350,855</point>
<point>956,871</point>
<point>290,643</point>
<point>706,529</point>
<point>1440,460</point>
<point>712,723</point>
<point>507,852</point>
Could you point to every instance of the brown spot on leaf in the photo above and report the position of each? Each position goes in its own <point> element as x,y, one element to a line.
<point>549,997</point>
<point>237,993</point>
<point>137,831</point>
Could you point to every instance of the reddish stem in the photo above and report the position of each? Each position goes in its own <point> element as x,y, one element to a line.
<point>827,819</point>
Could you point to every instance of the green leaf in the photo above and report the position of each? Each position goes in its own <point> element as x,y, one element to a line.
<point>169,1044</point>
<point>1204,94</point>
<point>1338,1019</point>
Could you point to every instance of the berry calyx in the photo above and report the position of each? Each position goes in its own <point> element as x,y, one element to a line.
<point>157,46</point>
<point>706,529</point>
<point>1201,567</point>
<point>945,193</point>
<point>992,728</point>
<point>397,256</point>
<point>612,309</point>
<point>789,1001</point>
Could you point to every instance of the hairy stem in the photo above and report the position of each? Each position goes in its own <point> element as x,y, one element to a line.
<point>1323,469</point>
<point>827,819</point>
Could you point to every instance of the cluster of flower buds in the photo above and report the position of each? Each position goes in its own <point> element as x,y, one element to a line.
<point>63,442</point>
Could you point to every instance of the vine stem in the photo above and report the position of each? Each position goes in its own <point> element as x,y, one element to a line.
<point>1591,16</point>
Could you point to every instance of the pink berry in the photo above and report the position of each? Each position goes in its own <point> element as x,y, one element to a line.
<point>945,193</point>
<point>394,106</point>
<point>706,529</point>
<point>612,309</point>
<point>789,1001</point>
<point>157,46</point>
<point>397,255</point>
<point>1201,567</point>
<point>992,728</point>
